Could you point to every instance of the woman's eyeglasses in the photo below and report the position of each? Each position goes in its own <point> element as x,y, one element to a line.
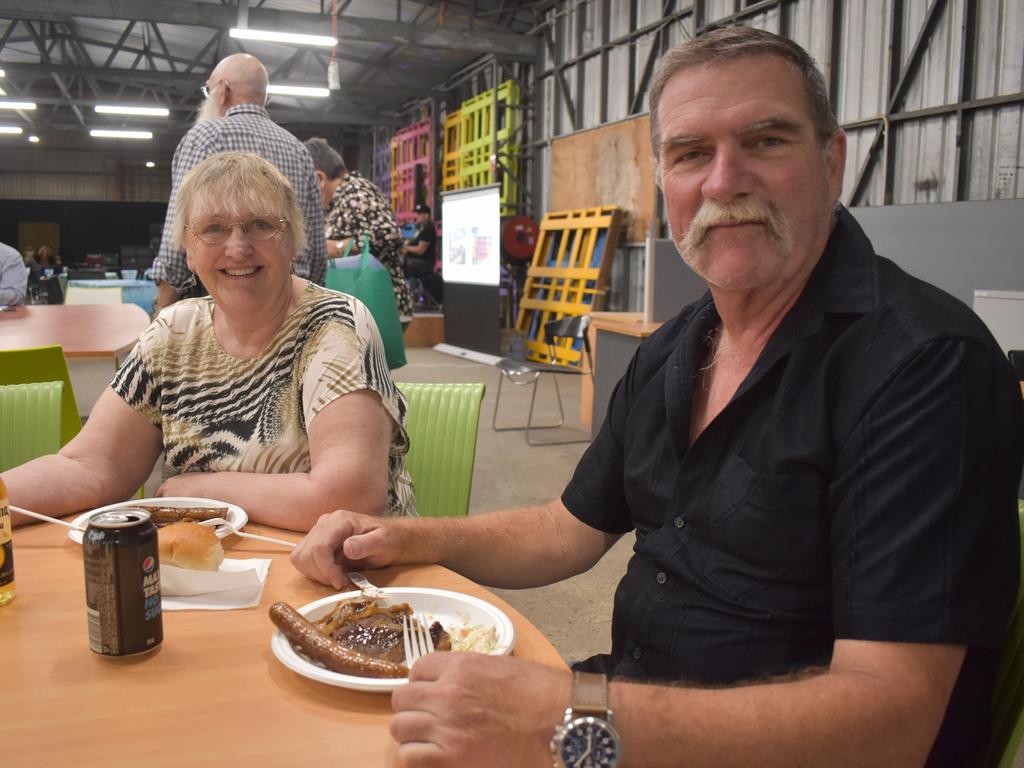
<point>217,232</point>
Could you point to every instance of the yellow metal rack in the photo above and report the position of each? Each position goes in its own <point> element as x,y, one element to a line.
<point>569,271</point>
<point>478,152</point>
<point>452,134</point>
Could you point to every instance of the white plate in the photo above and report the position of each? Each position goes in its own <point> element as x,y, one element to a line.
<point>236,515</point>
<point>452,609</point>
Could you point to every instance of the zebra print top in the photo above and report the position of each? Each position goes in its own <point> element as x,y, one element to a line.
<point>218,413</point>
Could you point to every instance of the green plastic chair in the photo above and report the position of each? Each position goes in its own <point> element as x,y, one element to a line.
<point>29,421</point>
<point>442,427</point>
<point>25,366</point>
<point>1007,715</point>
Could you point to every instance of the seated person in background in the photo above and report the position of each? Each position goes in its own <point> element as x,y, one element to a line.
<point>421,254</point>
<point>356,207</point>
<point>35,271</point>
<point>48,259</point>
<point>819,460</point>
<point>271,393</point>
<point>13,276</point>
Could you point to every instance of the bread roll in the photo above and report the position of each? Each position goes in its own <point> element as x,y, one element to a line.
<point>190,545</point>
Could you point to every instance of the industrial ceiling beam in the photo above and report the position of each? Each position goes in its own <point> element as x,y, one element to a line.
<point>182,81</point>
<point>452,36</point>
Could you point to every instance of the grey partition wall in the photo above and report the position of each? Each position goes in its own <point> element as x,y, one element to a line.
<point>960,247</point>
<point>669,283</point>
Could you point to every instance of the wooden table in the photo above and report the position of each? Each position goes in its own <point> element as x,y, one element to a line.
<point>142,293</point>
<point>212,695</point>
<point>83,330</point>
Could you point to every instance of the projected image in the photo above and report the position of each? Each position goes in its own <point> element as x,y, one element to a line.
<point>470,251</point>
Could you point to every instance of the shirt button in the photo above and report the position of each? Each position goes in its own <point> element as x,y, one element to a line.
<point>679,521</point>
<point>637,653</point>
<point>661,577</point>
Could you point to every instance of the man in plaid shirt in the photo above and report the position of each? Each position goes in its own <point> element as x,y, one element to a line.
<point>233,119</point>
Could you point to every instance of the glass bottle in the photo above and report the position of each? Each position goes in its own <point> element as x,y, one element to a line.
<point>6,549</point>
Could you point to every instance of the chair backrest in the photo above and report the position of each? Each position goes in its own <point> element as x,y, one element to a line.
<point>80,294</point>
<point>29,421</point>
<point>442,426</point>
<point>1016,358</point>
<point>1006,720</point>
<point>91,273</point>
<point>565,337</point>
<point>50,288</point>
<point>25,366</point>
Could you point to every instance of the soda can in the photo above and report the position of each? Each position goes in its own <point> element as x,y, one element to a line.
<point>122,583</point>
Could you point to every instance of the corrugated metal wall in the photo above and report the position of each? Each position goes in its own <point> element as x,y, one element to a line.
<point>79,175</point>
<point>943,92</point>
<point>931,114</point>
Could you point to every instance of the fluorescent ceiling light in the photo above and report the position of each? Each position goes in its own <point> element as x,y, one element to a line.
<point>103,133</point>
<point>283,37</point>
<point>150,164</point>
<point>10,129</point>
<point>33,139</point>
<point>17,105</point>
<point>299,90</point>
<point>113,109</point>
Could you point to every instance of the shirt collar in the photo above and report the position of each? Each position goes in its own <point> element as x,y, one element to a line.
<point>247,109</point>
<point>843,282</point>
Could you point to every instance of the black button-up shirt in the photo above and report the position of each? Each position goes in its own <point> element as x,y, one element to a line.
<point>861,483</point>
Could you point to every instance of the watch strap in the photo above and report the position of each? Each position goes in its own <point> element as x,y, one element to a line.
<point>589,694</point>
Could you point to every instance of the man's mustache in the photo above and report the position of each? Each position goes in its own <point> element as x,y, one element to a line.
<point>744,211</point>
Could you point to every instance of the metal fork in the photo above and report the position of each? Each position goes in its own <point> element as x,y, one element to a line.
<point>364,585</point>
<point>416,637</point>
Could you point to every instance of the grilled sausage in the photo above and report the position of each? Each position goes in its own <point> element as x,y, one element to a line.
<point>167,515</point>
<point>323,650</point>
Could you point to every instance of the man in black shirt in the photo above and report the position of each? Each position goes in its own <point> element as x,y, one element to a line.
<point>421,254</point>
<point>819,460</point>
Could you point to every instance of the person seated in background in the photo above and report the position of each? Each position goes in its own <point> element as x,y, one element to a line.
<point>48,259</point>
<point>819,460</point>
<point>421,254</point>
<point>271,393</point>
<point>14,275</point>
<point>29,257</point>
<point>355,207</point>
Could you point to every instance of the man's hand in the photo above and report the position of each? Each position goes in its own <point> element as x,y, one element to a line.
<point>165,296</point>
<point>469,709</point>
<point>344,538</point>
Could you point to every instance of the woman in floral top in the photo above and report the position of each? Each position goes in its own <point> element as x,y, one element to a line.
<point>355,207</point>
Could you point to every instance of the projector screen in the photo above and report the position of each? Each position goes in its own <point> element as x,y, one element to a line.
<point>470,236</point>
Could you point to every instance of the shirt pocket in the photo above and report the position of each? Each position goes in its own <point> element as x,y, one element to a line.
<point>768,539</point>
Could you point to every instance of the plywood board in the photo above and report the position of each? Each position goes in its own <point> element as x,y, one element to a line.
<point>610,165</point>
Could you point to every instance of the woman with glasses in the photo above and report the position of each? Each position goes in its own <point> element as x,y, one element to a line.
<point>271,393</point>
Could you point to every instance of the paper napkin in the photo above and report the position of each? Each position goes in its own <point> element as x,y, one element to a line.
<point>237,584</point>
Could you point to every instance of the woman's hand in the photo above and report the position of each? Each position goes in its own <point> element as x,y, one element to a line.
<point>187,484</point>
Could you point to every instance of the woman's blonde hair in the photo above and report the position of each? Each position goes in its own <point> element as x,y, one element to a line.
<point>239,184</point>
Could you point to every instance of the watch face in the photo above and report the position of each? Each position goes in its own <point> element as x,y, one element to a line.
<point>589,742</point>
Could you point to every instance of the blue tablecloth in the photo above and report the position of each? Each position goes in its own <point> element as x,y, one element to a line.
<point>141,292</point>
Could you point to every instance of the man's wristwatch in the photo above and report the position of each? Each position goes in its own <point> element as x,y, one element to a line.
<point>587,738</point>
